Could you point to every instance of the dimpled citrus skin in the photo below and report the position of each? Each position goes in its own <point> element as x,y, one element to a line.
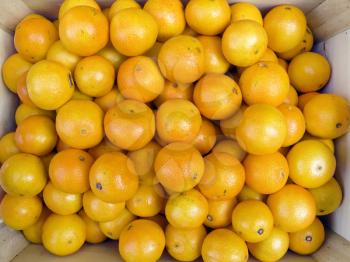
<point>293,208</point>
<point>133,31</point>
<point>245,11</point>
<point>262,129</point>
<point>217,96</point>
<point>181,59</point>
<point>178,120</point>
<point>264,83</point>
<point>49,84</point>
<point>327,116</point>
<point>244,42</point>
<point>285,26</point>
<point>69,4</point>
<point>84,30</point>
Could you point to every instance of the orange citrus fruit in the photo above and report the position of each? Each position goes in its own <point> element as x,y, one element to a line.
<point>8,146</point>
<point>94,76</point>
<point>292,97</point>
<point>188,209</point>
<point>113,177</point>
<point>84,30</point>
<point>248,193</point>
<point>229,125</point>
<point>130,124</point>
<point>220,213</point>
<point>133,31</point>
<point>285,26</point>
<point>309,72</point>
<point>230,147</point>
<point>34,232</point>
<point>22,90</point>
<point>174,91</point>
<point>140,79</point>
<point>223,177</point>
<point>293,208</point>
<point>94,234</point>
<point>245,11</point>
<point>169,15</point>
<point>79,124</point>
<point>58,53</point>
<point>141,240</point>
<point>119,5</point>
<point>54,95</point>
<point>109,100</point>
<point>217,96</point>
<point>69,4</point>
<point>179,166</point>
<point>206,138</point>
<point>244,42</point>
<point>69,171</point>
<point>24,111</point>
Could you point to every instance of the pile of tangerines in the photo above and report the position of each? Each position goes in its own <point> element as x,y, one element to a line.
<point>196,128</point>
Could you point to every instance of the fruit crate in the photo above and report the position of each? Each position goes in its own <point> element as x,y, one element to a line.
<point>330,23</point>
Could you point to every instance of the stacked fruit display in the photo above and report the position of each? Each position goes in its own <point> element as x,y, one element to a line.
<point>198,129</point>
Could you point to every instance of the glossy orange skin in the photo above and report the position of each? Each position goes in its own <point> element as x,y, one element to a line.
<point>60,202</point>
<point>208,17</point>
<point>36,135</point>
<point>223,177</point>
<point>224,245</point>
<point>58,53</point>
<point>272,248</point>
<point>133,31</point>
<point>109,100</point>
<point>143,160</point>
<point>84,30</point>
<point>214,62</point>
<point>264,83</point>
<point>130,119</point>
<point>309,72</point>
<point>217,96</point>
<point>206,138</point>
<point>20,212</point>
<point>186,210</point>
<point>274,167</point>
<point>24,111</point>
<point>327,116</point>
<point>34,232</point>
<point>140,79</point>
<point>229,125</point>
<point>22,91</point>
<point>104,147</point>
<point>181,59</point>
<point>244,42</point>
<point>113,178</point>
<point>112,55</point>
<point>230,147</point>
<point>99,210</point>
<point>178,120</point>
<point>311,163</point>
<point>141,240</point>
<point>49,84</point>
<point>79,124</point>
<point>69,171</point>
<point>13,67</point>
<point>63,235</point>
<point>113,228</point>
<point>8,146</point>
<point>169,15</point>
<point>285,26</point>
<point>179,166</point>
<point>252,220</point>
<point>94,234</point>
<point>174,91</point>
<point>308,240</point>
<point>184,244</point>
<point>94,76</point>
<point>148,201</point>
<point>69,4</point>
<point>220,213</point>
<point>305,98</point>
<point>119,5</point>
<point>33,37</point>
<point>293,208</point>
<point>245,11</point>
<point>295,124</point>
<point>23,175</point>
<point>262,129</point>
<point>292,97</point>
